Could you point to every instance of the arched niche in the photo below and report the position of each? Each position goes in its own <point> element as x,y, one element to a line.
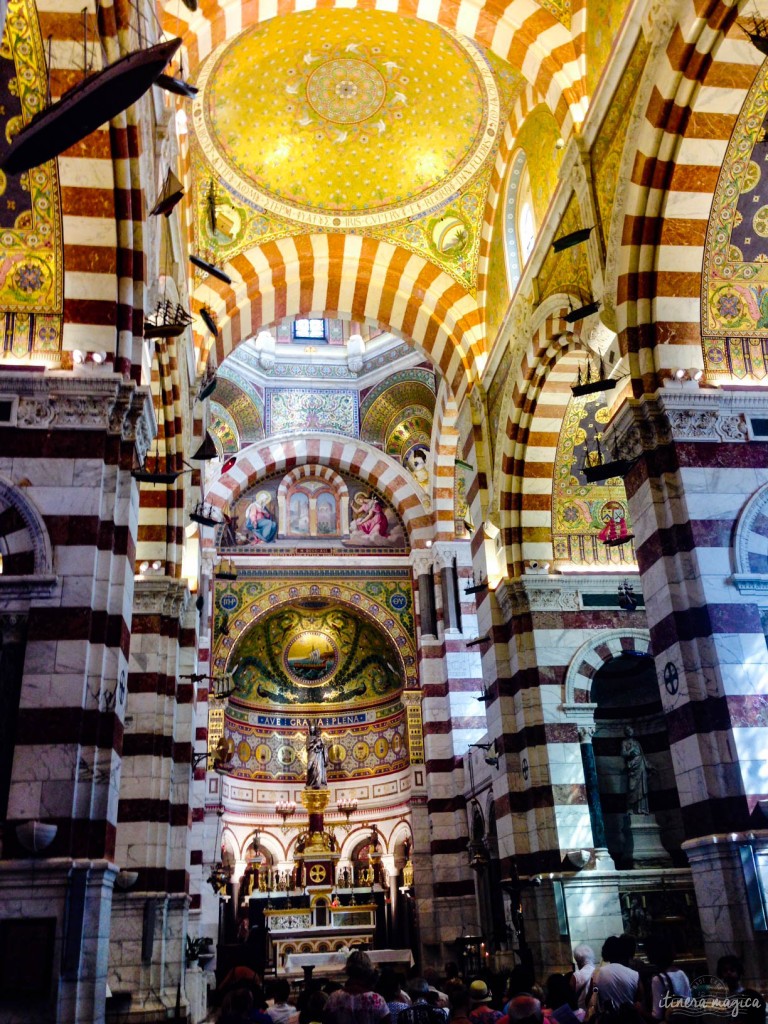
<point>624,692</point>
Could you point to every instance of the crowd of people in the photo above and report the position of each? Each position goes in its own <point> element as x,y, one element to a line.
<point>618,990</point>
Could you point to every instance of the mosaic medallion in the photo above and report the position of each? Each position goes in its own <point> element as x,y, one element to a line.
<point>346,91</point>
<point>311,657</point>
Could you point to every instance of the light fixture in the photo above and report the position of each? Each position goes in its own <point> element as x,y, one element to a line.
<point>285,808</point>
<point>427,543</point>
<point>347,805</point>
<point>143,567</point>
<point>229,464</point>
<point>78,355</point>
<point>157,564</point>
<point>99,357</point>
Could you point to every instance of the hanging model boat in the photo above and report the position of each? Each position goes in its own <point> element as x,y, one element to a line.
<point>177,86</point>
<point>210,268</point>
<point>91,103</point>
<point>170,194</point>
<point>167,321</point>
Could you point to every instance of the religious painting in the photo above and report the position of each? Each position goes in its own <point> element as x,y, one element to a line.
<point>309,510</point>
<point>298,514</point>
<point>415,461</point>
<point>585,516</point>
<point>311,656</point>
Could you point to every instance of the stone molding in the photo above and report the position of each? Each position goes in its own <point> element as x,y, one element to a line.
<point>161,596</point>
<point>682,415</point>
<point>551,593</point>
<point>65,401</point>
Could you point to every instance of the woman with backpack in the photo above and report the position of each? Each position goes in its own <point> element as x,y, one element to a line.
<point>668,983</point>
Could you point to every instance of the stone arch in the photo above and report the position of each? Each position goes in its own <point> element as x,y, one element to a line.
<point>31,546</point>
<point>340,453</point>
<point>403,291</point>
<point>595,652</point>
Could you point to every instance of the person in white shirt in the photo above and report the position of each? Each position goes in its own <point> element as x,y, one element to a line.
<point>668,983</point>
<point>281,1011</point>
<point>614,982</point>
<point>584,958</point>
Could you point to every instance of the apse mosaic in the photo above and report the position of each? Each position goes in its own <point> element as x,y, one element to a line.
<point>319,511</point>
<point>581,512</point>
<point>31,274</point>
<point>315,651</point>
<point>381,600</point>
<point>298,410</point>
<point>735,280</point>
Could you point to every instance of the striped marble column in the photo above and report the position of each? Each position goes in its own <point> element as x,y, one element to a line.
<point>150,919</point>
<point>699,506</point>
<point>68,448</point>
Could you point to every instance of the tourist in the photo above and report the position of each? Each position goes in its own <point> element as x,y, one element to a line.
<point>460,1003</point>
<point>421,1011</point>
<point>389,989</point>
<point>667,983</point>
<point>614,984</point>
<point>314,1011</point>
<point>480,999</point>
<point>584,958</point>
<point>357,1003</point>
<point>281,1011</point>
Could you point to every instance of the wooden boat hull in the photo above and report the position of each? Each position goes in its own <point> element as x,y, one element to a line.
<point>82,109</point>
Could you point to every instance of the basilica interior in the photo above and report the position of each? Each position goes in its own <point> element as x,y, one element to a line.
<point>383,490</point>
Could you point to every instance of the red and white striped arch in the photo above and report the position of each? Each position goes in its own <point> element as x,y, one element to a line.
<point>548,54</point>
<point>551,338</point>
<point>355,277</point>
<point>339,453</point>
<point>691,95</point>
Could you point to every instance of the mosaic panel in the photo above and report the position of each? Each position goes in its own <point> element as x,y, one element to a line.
<point>338,515</point>
<point>496,393</point>
<point>603,20</point>
<point>537,137</point>
<point>580,511</point>
<point>735,279</point>
<point>567,271</point>
<point>31,270</point>
<point>609,145</point>
<point>223,429</point>
<point>299,410</point>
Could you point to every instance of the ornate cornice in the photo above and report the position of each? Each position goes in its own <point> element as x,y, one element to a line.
<point>421,560</point>
<point>551,593</point>
<point>53,401</point>
<point>683,415</point>
<point>161,595</point>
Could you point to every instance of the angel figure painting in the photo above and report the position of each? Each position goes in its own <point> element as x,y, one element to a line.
<point>372,524</point>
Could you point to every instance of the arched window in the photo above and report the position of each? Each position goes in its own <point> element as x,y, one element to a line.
<point>519,220</point>
<point>526,222</point>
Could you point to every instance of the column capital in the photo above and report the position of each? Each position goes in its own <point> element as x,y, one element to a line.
<point>421,560</point>
<point>160,595</point>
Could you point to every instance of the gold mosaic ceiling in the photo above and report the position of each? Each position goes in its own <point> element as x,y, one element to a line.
<point>346,118</point>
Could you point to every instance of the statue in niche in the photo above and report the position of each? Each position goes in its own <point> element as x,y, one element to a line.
<point>638,768</point>
<point>317,759</point>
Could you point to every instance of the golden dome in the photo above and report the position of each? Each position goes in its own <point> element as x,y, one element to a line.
<point>364,117</point>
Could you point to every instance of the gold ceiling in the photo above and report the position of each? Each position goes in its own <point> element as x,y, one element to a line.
<point>344,119</point>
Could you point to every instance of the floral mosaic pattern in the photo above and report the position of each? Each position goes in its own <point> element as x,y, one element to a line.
<point>31,272</point>
<point>735,279</point>
<point>299,410</point>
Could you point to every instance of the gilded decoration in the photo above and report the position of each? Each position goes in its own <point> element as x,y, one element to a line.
<point>223,429</point>
<point>298,410</point>
<point>321,512</point>
<point>604,18</point>
<point>345,89</point>
<point>382,602</point>
<point>31,272</point>
<point>382,404</point>
<point>581,510</point>
<point>735,279</point>
<point>315,651</point>
<point>497,291</point>
<point>560,9</point>
<point>566,272</point>
<point>340,91</point>
<point>537,137</point>
<point>608,149</point>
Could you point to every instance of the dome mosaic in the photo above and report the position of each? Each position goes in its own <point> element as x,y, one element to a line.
<point>338,92</point>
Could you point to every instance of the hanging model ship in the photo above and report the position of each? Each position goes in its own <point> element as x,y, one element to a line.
<point>92,102</point>
<point>168,320</point>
